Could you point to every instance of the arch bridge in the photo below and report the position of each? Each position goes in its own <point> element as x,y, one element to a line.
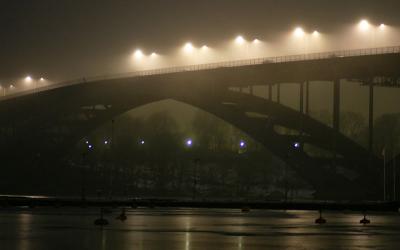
<point>41,125</point>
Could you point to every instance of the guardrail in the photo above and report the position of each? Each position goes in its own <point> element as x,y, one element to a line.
<point>227,64</point>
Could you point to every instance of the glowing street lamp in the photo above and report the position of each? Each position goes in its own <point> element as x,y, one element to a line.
<point>204,48</point>
<point>153,55</point>
<point>315,33</point>
<point>138,54</point>
<point>141,142</point>
<point>364,25</point>
<point>239,40</point>
<point>382,26</point>
<point>256,41</point>
<point>299,32</point>
<point>242,144</point>
<point>28,79</point>
<point>189,143</point>
<point>188,48</point>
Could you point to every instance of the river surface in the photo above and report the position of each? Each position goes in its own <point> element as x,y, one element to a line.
<point>70,228</point>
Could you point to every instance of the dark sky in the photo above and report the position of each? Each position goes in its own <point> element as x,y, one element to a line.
<point>69,38</point>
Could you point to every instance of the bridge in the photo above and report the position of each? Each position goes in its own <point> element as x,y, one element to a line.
<point>40,126</point>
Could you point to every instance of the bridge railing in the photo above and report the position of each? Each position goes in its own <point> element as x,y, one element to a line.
<point>258,61</point>
<point>228,64</point>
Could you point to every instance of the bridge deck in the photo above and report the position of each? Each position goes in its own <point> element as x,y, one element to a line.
<point>232,64</point>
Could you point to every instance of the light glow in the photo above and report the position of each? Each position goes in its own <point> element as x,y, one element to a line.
<point>382,26</point>
<point>240,40</point>
<point>28,79</point>
<point>138,54</point>
<point>189,142</point>
<point>256,41</point>
<point>204,48</point>
<point>364,25</point>
<point>315,33</point>
<point>299,32</point>
<point>188,48</point>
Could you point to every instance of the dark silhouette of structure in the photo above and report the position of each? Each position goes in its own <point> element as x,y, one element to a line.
<point>41,127</point>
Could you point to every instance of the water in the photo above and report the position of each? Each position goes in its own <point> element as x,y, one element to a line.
<point>69,228</point>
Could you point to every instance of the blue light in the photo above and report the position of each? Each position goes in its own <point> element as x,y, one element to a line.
<point>189,142</point>
<point>296,145</point>
<point>90,146</point>
<point>242,144</point>
<point>141,142</point>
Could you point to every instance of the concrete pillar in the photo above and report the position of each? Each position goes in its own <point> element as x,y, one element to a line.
<point>336,105</point>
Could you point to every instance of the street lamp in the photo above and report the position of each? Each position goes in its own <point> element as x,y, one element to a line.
<point>188,48</point>
<point>240,40</point>
<point>138,54</point>
<point>189,143</point>
<point>364,25</point>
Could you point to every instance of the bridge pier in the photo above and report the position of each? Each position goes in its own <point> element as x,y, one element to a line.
<point>301,104</point>
<point>336,104</point>
<point>278,93</point>
<point>371,118</point>
<point>270,92</point>
<point>307,98</point>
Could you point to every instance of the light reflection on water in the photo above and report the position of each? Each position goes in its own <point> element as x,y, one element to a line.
<point>190,229</point>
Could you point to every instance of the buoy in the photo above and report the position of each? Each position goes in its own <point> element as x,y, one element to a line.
<point>122,216</point>
<point>245,209</point>
<point>321,219</point>
<point>364,220</point>
<point>101,221</point>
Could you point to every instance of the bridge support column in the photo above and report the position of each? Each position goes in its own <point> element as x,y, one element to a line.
<point>251,89</point>
<point>301,104</point>
<point>336,105</point>
<point>270,92</point>
<point>371,119</point>
<point>307,97</point>
<point>278,93</point>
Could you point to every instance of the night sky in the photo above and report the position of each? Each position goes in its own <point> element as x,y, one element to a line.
<point>63,39</point>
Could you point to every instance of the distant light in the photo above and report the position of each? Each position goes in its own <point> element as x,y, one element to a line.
<point>382,26</point>
<point>41,79</point>
<point>189,142</point>
<point>28,79</point>
<point>242,144</point>
<point>138,54</point>
<point>105,142</point>
<point>364,25</point>
<point>296,145</point>
<point>256,41</point>
<point>239,40</point>
<point>141,142</point>
<point>12,86</point>
<point>90,146</point>
<point>188,48</point>
<point>87,142</point>
<point>315,33</point>
<point>204,48</point>
<point>299,32</point>
<point>153,55</point>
